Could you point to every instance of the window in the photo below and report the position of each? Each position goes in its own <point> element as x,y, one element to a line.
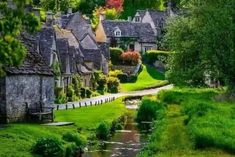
<point>137,19</point>
<point>132,47</point>
<point>146,48</point>
<point>117,33</point>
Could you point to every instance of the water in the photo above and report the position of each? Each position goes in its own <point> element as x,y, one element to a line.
<point>125,143</point>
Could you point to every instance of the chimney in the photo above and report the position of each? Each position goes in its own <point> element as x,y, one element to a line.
<point>70,10</point>
<point>102,16</point>
<point>169,8</point>
<point>129,18</point>
<point>49,18</point>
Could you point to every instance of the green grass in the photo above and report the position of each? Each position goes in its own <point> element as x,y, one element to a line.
<point>17,139</point>
<point>193,118</point>
<point>149,77</point>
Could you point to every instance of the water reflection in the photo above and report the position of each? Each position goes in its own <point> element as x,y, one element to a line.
<point>125,143</point>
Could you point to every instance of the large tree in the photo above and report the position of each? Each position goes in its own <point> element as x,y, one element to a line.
<point>13,20</point>
<point>203,40</point>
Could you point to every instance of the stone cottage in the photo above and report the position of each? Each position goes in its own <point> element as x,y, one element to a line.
<point>156,18</point>
<point>26,87</point>
<point>126,34</point>
<point>69,40</point>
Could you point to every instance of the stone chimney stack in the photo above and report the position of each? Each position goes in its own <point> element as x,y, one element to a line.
<point>49,18</point>
<point>129,18</point>
<point>70,10</point>
<point>169,8</point>
<point>102,16</point>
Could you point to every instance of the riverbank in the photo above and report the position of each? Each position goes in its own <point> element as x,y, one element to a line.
<point>17,139</point>
<point>194,124</point>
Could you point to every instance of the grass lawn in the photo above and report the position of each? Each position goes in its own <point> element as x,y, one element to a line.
<point>17,139</point>
<point>148,78</point>
<point>192,126</point>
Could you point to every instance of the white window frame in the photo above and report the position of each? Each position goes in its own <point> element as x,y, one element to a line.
<point>137,17</point>
<point>118,33</point>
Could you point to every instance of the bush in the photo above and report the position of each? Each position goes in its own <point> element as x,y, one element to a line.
<point>71,150</point>
<point>60,96</point>
<point>79,140</point>
<point>83,92</point>
<point>153,55</point>
<point>48,147</point>
<point>113,84</point>
<point>115,54</point>
<point>131,58</point>
<point>115,73</point>
<point>71,94</point>
<point>88,93</point>
<point>122,77</point>
<point>103,131</point>
<point>77,84</point>
<point>101,82</point>
<point>149,111</point>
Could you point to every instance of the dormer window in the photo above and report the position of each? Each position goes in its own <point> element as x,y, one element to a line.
<point>137,19</point>
<point>117,32</point>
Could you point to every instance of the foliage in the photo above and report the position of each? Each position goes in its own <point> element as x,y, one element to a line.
<point>122,77</point>
<point>101,81</point>
<point>60,96</point>
<point>115,4</point>
<point>115,73</point>
<point>48,147</point>
<point>12,23</point>
<point>149,77</point>
<point>149,111</point>
<point>71,150</point>
<point>77,84</point>
<point>196,39</point>
<point>71,93</point>
<point>113,84</point>
<point>62,5</point>
<point>103,131</point>
<point>87,7</point>
<point>153,55</point>
<point>78,139</point>
<point>130,58</point>
<point>115,54</point>
<point>111,14</point>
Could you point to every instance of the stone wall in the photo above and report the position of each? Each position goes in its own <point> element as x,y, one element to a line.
<point>30,89</point>
<point>130,70</point>
<point>2,100</point>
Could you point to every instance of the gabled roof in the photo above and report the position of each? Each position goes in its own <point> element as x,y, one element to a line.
<point>89,43</point>
<point>142,31</point>
<point>158,16</point>
<point>141,13</point>
<point>33,64</point>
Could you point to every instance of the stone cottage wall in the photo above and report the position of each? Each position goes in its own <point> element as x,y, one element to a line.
<point>27,88</point>
<point>2,100</point>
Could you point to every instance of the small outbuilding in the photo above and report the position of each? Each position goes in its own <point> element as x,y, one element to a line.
<point>27,90</point>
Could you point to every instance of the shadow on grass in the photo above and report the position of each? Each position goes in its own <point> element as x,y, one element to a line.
<point>154,73</point>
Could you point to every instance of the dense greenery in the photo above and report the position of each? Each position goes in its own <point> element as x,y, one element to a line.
<point>115,54</point>
<point>153,55</point>
<point>195,123</point>
<point>204,43</point>
<point>12,23</point>
<point>149,77</point>
<point>20,137</point>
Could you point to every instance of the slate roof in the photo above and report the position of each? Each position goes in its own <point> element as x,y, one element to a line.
<point>104,48</point>
<point>141,13</point>
<point>158,16</point>
<point>142,31</point>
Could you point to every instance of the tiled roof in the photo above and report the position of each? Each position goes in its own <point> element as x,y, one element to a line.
<point>142,31</point>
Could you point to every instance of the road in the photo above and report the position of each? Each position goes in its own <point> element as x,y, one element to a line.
<point>109,97</point>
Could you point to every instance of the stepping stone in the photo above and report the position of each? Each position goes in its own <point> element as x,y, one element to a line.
<point>59,124</point>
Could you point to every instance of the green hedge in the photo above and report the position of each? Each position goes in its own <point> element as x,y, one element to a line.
<point>152,55</point>
<point>115,54</point>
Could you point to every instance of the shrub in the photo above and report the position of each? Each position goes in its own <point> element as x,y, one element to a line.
<point>60,96</point>
<point>83,92</point>
<point>48,147</point>
<point>153,55</point>
<point>113,84</point>
<point>70,150</point>
<point>71,93</point>
<point>76,138</point>
<point>77,84</point>
<point>131,58</point>
<point>88,93</point>
<point>149,111</point>
<point>122,77</point>
<point>103,131</point>
<point>101,82</point>
<point>115,73</point>
<point>115,54</point>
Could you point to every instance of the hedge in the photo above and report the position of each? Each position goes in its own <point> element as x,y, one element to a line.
<point>115,54</point>
<point>153,55</point>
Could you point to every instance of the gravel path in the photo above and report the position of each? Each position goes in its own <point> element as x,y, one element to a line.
<point>109,97</point>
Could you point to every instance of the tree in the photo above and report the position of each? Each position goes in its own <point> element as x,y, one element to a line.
<point>117,4</point>
<point>203,39</point>
<point>14,20</point>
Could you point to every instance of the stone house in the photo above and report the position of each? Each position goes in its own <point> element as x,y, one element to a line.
<point>156,18</point>
<point>69,40</point>
<point>26,87</point>
<point>126,34</point>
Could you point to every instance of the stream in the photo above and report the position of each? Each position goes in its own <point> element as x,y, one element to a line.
<point>124,143</point>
